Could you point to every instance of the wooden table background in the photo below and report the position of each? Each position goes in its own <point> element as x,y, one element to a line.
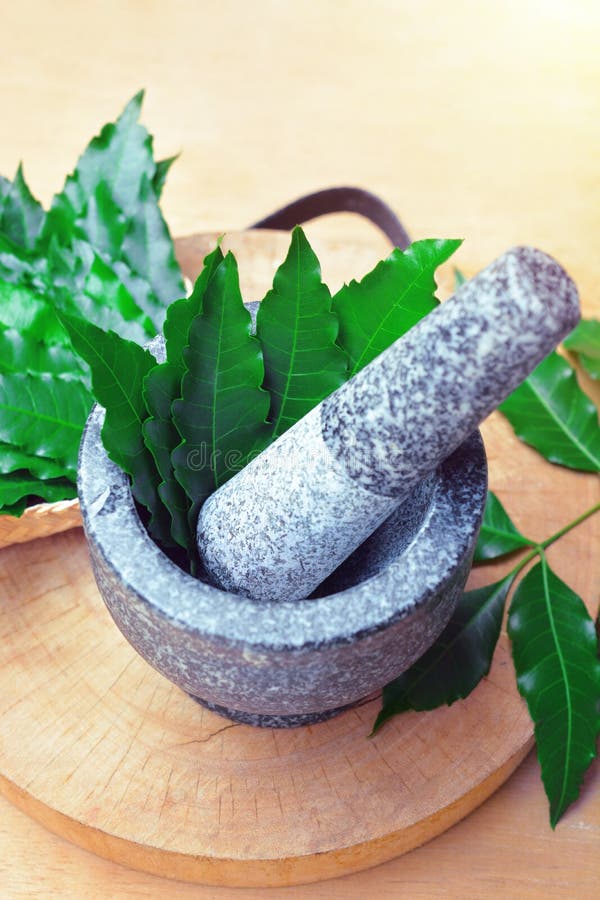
<point>473,119</point>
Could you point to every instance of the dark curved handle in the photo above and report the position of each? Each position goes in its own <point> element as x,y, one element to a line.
<point>339,199</point>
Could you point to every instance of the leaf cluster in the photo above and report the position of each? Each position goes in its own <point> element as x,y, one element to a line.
<point>180,428</point>
<point>554,642</point>
<point>101,252</point>
<point>87,282</point>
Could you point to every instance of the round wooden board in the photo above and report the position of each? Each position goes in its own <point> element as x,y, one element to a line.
<point>104,751</point>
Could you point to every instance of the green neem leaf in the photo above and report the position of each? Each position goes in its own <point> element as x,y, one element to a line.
<point>120,156</point>
<point>142,293</point>
<point>106,301</point>
<point>43,415</point>
<point>160,175</point>
<point>59,223</point>
<point>585,342</point>
<point>297,331</point>
<point>14,509</point>
<point>118,371</point>
<point>458,660</point>
<point>67,268</point>
<point>21,215</point>
<point>5,186</point>
<point>182,529</point>
<point>102,223</point>
<point>555,652</point>
<point>81,282</point>
<point>498,535</point>
<point>181,313</point>
<point>12,459</point>
<point>221,415</point>
<point>550,412</point>
<point>20,352</point>
<point>161,386</point>
<point>375,312</point>
<point>17,266</point>
<point>110,200</point>
<point>148,248</point>
<point>25,310</point>
<point>99,234</point>
<point>21,485</point>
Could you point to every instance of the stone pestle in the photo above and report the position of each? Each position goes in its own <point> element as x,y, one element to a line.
<point>282,524</point>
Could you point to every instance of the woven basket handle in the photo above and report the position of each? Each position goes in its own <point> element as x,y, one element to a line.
<point>334,200</point>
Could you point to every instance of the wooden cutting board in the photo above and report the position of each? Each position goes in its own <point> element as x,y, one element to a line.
<point>104,751</point>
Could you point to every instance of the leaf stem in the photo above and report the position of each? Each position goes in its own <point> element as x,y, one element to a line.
<point>586,515</point>
<point>538,549</point>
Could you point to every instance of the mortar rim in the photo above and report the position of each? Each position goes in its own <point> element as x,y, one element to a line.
<point>200,609</point>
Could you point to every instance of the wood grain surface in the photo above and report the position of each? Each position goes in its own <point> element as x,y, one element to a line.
<point>101,749</point>
<point>104,751</point>
<point>472,119</point>
<point>122,763</point>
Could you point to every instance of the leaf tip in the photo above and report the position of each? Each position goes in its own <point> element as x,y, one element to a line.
<point>137,99</point>
<point>377,724</point>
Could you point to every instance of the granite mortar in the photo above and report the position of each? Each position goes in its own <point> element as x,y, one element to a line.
<point>287,663</point>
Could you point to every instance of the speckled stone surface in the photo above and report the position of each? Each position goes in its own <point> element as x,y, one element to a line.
<point>286,663</point>
<point>285,522</point>
<point>270,721</point>
<point>255,548</point>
